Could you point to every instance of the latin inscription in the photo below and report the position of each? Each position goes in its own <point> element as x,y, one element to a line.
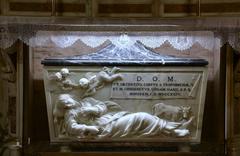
<point>156,85</point>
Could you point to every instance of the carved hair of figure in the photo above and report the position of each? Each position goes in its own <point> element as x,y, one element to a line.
<point>63,103</point>
<point>94,82</point>
<point>94,119</point>
<point>172,113</point>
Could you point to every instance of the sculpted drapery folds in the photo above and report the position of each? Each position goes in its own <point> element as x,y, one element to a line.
<point>91,118</point>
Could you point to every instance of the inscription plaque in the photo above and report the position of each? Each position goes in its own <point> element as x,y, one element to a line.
<point>156,85</point>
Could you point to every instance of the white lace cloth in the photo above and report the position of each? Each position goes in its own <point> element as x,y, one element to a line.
<point>179,40</point>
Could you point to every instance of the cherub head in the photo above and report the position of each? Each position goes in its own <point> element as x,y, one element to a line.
<point>64,72</point>
<point>84,82</point>
<point>58,76</point>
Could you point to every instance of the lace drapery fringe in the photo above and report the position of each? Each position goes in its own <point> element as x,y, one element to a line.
<point>180,40</point>
<point>39,34</point>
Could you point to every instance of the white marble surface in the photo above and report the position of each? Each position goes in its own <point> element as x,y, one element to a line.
<point>88,111</point>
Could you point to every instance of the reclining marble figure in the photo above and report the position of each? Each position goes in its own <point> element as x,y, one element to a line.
<point>93,118</point>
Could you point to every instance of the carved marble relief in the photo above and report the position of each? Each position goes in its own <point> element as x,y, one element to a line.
<point>140,95</point>
<point>8,77</point>
<point>85,117</point>
<point>8,64</point>
<point>11,100</point>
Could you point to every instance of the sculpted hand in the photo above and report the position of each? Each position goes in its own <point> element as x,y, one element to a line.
<point>120,76</point>
<point>92,129</point>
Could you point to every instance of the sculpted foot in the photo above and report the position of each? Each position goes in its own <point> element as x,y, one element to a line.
<point>172,125</point>
<point>181,132</point>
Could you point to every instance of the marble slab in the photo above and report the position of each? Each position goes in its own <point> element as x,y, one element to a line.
<point>165,92</point>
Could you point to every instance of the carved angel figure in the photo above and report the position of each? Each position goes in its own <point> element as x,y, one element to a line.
<point>93,82</point>
<point>62,77</point>
<point>91,118</point>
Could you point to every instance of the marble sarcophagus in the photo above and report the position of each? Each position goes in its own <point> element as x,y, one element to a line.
<point>125,93</point>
